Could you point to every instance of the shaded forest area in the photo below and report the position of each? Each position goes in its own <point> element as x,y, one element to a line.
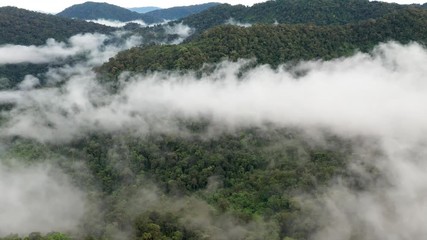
<point>271,44</point>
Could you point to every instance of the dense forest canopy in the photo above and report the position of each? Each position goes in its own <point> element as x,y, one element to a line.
<point>180,12</point>
<point>94,10</point>
<point>273,44</point>
<point>258,172</point>
<point>305,121</point>
<point>320,12</point>
<point>23,27</point>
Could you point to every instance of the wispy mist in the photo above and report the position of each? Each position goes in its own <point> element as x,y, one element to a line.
<point>232,21</point>
<point>380,95</point>
<point>93,46</point>
<point>116,23</point>
<point>37,199</point>
<point>183,31</point>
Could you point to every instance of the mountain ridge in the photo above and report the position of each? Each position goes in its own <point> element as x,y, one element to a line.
<point>178,12</point>
<point>320,12</point>
<point>95,10</point>
<point>144,9</point>
<point>24,27</point>
<point>273,44</point>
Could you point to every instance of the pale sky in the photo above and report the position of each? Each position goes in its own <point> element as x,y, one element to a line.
<point>54,6</point>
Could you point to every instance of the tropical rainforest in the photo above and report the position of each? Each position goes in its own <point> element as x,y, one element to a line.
<point>24,27</point>
<point>284,43</point>
<point>287,120</point>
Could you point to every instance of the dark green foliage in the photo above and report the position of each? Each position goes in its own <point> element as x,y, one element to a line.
<point>213,17</point>
<point>251,174</point>
<point>179,12</point>
<point>97,153</point>
<point>38,236</point>
<point>156,34</point>
<point>12,74</point>
<point>24,27</point>
<point>273,45</point>
<point>95,10</point>
<point>155,225</point>
<point>321,12</point>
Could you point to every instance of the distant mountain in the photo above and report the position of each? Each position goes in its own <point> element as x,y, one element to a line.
<point>23,27</point>
<point>273,44</point>
<point>144,9</point>
<point>94,10</point>
<point>19,26</point>
<point>321,12</point>
<point>180,12</point>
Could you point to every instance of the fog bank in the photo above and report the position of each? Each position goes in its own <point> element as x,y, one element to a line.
<point>37,198</point>
<point>380,95</point>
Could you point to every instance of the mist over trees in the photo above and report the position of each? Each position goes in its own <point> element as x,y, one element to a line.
<point>273,44</point>
<point>319,12</point>
<point>25,27</point>
<point>94,10</point>
<point>287,120</point>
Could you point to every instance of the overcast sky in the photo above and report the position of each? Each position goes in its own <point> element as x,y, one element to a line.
<point>54,6</point>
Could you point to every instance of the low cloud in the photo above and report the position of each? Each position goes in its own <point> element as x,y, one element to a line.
<point>197,215</point>
<point>116,23</point>
<point>29,82</point>
<point>393,207</point>
<point>37,199</point>
<point>231,21</point>
<point>92,46</point>
<point>52,51</point>
<point>380,95</point>
<point>183,31</point>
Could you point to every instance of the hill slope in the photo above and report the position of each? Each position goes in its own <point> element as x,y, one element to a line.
<point>144,9</point>
<point>180,12</point>
<point>19,26</point>
<point>274,45</point>
<point>320,12</point>
<point>94,10</point>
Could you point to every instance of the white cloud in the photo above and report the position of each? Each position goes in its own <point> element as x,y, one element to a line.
<point>394,208</point>
<point>92,46</point>
<point>37,199</point>
<point>52,51</point>
<point>231,21</point>
<point>380,95</point>
<point>29,82</point>
<point>377,95</point>
<point>362,94</point>
<point>183,31</point>
<point>116,23</point>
